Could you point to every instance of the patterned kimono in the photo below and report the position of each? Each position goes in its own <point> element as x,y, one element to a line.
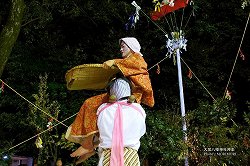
<point>135,68</point>
<point>84,127</point>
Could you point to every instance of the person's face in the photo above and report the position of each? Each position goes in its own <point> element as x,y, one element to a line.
<point>125,50</point>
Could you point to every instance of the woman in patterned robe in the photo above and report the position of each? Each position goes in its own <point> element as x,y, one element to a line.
<point>133,67</point>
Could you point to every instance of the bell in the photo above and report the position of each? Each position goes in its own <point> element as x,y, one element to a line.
<point>131,99</point>
<point>112,98</point>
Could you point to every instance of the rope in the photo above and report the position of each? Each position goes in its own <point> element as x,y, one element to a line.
<point>40,110</point>
<point>172,22</point>
<point>190,70</point>
<point>168,23</point>
<point>192,13</point>
<point>182,16</point>
<point>181,58</point>
<point>40,133</point>
<point>236,56</point>
<point>177,28</point>
<point>188,21</point>
<point>198,80</point>
<point>154,23</point>
<point>157,63</point>
<point>148,70</point>
<point>32,103</point>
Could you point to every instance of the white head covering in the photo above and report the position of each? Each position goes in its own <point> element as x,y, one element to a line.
<point>120,88</point>
<point>132,43</point>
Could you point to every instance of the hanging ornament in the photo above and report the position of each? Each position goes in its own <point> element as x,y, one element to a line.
<point>242,55</point>
<point>134,17</point>
<point>158,71</point>
<point>192,4</point>
<point>168,2</point>
<point>228,95</point>
<point>157,5</point>
<point>246,142</point>
<point>175,41</point>
<point>59,162</point>
<point>131,22</point>
<point>190,74</point>
<point>167,6</point>
<point>50,124</point>
<point>245,3</point>
<point>39,142</point>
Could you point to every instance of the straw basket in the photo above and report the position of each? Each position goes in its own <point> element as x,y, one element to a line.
<point>89,77</point>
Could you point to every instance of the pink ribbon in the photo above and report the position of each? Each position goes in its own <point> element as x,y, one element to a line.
<point>117,158</point>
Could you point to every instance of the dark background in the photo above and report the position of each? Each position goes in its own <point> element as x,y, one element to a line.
<point>58,35</point>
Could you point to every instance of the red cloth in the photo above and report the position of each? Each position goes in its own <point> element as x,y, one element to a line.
<point>168,9</point>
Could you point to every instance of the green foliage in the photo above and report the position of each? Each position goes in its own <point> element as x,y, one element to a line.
<point>213,137</point>
<point>43,117</point>
<point>4,162</point>
<point>162,143</point>
<point>5,156</point>
<point>14,125</point>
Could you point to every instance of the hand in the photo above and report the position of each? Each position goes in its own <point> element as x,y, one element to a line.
<point>108,64</point>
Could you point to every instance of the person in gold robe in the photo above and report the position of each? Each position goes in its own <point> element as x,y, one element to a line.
<point>133,66</point>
